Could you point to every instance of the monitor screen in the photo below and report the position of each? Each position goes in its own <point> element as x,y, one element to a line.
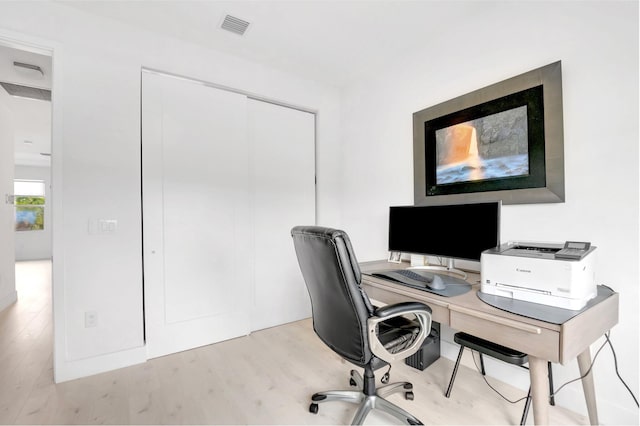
<point>461,231</point>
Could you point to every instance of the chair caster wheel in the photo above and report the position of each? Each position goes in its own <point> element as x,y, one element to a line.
<point>409,396</point>
<point>352,382</point>
<point>385,378</point>
<point>313,408</point>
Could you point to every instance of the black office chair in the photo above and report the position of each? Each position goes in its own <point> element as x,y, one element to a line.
<point>500,352</point>
<point>347,322</point>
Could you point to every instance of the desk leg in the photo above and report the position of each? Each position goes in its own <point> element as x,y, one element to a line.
<point>539,390</point>
<point>584,362</point>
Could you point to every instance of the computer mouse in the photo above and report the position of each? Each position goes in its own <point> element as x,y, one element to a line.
<point>436,283</point>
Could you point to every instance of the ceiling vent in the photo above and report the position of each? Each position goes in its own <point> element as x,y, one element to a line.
<point>26,91</point>
<point>234,25</point>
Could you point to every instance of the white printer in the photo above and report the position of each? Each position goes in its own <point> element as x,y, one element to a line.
<point>560,275</point>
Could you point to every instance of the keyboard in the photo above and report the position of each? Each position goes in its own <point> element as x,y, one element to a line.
<point>427,281</point>
<point>412,275</point>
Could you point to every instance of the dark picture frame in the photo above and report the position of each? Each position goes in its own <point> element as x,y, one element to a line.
<point>502,142</point>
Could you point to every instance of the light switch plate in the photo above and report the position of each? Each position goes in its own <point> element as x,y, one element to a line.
<point>103,226</point>
<point>107,226</point>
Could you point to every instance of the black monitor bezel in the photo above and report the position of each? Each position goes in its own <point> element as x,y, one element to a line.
<point>436,253</point>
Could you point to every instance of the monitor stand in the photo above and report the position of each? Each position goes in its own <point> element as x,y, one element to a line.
<point>450,268</point>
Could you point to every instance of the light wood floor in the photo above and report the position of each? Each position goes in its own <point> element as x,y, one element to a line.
<point>265,378</point>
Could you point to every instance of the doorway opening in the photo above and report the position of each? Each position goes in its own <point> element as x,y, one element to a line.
<point>25,181</point>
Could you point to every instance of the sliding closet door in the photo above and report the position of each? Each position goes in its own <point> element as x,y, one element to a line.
<point>196,217</point>
<point>283,168</point>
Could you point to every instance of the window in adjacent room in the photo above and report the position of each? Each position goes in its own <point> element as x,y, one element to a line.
<point>30,204</point>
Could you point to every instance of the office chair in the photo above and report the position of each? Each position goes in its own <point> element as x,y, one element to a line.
<point>346,321</point>
<point>500,352</point>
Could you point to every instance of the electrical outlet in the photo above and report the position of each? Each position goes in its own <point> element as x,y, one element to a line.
<point>90,319</point>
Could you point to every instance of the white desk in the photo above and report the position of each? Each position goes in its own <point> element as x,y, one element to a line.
<point>542,341</point>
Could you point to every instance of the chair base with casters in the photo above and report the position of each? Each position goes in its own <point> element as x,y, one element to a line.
<point>499,352</point>
<point>368,397</point>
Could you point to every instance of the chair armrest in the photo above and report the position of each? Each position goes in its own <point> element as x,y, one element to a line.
<point>396,309</point>
<point>421,312</point>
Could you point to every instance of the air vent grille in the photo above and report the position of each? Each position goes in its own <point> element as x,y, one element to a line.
<point>234,25</point>
<point>26,91</point>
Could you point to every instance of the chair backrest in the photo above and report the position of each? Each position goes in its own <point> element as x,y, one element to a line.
<point>332,275</point>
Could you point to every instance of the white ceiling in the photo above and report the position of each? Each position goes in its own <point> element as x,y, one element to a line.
<point>31,118</point>
<point>336,42</point>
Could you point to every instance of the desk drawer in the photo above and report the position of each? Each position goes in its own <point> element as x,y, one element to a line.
<point>527,338</point>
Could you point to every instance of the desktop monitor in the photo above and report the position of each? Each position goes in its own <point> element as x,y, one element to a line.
<point>460,231</point>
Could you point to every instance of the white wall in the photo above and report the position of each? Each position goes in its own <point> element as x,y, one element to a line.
<point>96,165</point>
<point>597,43</point>
<point>32,245</point>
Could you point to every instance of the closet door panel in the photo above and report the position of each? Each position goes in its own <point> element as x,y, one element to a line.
<point>283,176</point>
<point>196,217</point>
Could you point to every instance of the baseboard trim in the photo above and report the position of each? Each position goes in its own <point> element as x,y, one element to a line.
<point>8,300</point>
<point>70,370</point>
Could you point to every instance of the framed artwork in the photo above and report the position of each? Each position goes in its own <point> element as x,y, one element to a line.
<point>29,218</point>
<point>503,142</point>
